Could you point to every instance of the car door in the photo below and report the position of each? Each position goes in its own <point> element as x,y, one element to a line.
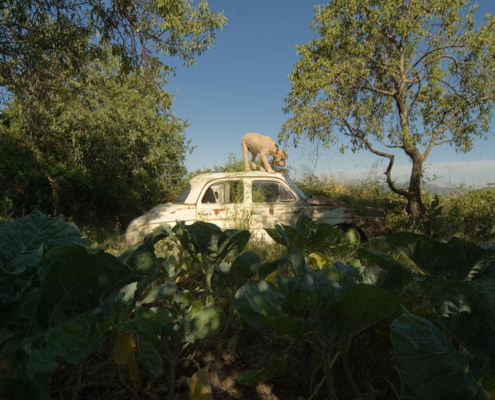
<point>274,202</point>
<point>221,202</point>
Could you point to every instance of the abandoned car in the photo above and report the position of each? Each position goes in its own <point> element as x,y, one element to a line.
<point>253,200</point>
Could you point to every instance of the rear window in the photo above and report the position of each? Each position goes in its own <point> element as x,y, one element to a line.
<point>183,195</point>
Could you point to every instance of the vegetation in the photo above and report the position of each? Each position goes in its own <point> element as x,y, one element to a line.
<point>200,313</point>
<point>46,42</point>
<point>107,152</point>
<point>395,76</point>
<point>191,312</point>
<point>85,122</point>
<point>465,212</point>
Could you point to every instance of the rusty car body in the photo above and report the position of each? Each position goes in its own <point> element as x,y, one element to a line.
<point>253,200</point>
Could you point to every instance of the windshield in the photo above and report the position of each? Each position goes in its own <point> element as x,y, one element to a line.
<point>296,188</point>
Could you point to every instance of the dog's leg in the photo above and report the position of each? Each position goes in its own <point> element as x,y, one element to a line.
<point>245,154</point>
<point>253,161</point>
<point>265,165</point>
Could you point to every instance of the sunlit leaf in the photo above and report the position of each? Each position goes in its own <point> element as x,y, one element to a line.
<point>200,387</point>
<point>204,323</point>
<point>124,348</point>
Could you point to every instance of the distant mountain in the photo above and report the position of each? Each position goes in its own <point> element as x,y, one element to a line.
<point>440,190</point>
<point>445,190</point>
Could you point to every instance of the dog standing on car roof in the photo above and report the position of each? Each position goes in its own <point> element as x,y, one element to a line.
<point>255,144</point>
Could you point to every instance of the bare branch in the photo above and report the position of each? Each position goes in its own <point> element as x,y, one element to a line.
<point>388,173</point>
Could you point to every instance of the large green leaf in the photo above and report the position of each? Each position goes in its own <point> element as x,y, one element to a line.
<point>141,257</point>
<point>150,357</point>
<point>29,378</point>
<point>73,341</point>
<point>231,243</point>
<point>257,302</point>
<point>22,242</point>
<point>160,291</point>
<point>365,306</point>
<point>387,273</point>
<point>245,266</point>
<point>297,238</point>
<point>312,294</point>
<point>466,311</point>
<point>486,286</point>
<point>267,268</point>
<point>78,338</point>
<point>150,322</point>
<point>297,262</point>
<point>70,281</point>
<point>205,323</point>
<point>454,259</point>
<point>199,238</point>
<point>429,365</point>
<point>279,235</point>
<point>312,236</point>
<point>485,266</point>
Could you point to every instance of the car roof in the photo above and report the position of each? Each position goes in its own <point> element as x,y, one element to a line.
<point>244,174</point>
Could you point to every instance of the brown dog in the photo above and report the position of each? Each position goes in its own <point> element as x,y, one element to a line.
<point>255,144</point>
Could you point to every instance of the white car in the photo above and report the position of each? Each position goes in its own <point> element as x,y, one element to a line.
<point>252,200</point>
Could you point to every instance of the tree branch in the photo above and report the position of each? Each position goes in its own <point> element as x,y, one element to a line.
<point>388,172</point>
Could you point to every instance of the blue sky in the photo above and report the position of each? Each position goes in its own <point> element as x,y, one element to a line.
<point>239,86</point>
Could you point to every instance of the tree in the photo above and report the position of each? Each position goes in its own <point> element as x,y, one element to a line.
<point>43,41</point>
<point>109,150</point>
<point>395,75</point>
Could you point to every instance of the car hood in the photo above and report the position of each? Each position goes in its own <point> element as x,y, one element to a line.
<point>316,200</point>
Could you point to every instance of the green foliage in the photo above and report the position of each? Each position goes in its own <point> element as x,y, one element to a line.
<point>105,153</point>
<point>470,215</point>
<point>275,367</point>
<point>208,246</point>
<point>61,299</point>
<point>5,206</point>
<point>233,164</point>
<point>418,326</point>
<point>463,212</point>
<point>392,75</point>
<point>52,40</point>
<point>86,125</point>
<point>313,237</point>
<point>50,284</point>
<point>438,320</point>
<point>428,362</point>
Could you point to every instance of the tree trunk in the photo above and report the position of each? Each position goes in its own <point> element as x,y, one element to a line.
<point>415,207</point>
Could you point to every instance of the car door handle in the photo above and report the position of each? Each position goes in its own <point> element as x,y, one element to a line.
<point>203,213</point>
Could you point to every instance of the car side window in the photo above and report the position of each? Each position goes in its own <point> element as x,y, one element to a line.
<point>226,192</point>
<point>271,192</point>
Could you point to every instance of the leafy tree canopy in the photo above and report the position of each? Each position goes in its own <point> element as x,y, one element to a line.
<point>42,41</point>
<point>395,75</point>
<point>110,149</point>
